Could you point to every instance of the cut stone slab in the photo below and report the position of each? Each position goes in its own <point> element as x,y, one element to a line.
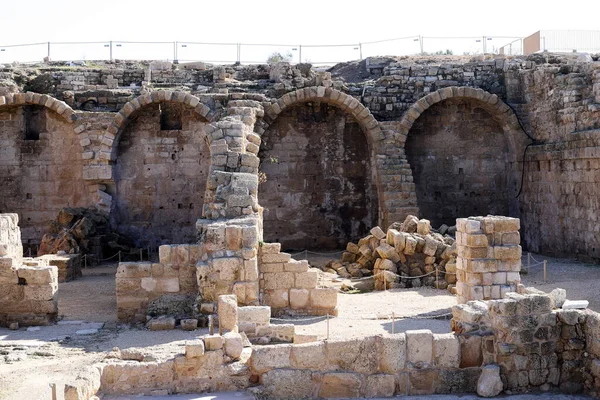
<point>91,331</point>
<point>489,383</point>
<point>161,324</point>
<point>575,304</point>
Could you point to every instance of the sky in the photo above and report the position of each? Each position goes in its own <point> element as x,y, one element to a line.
<point>306,22</point>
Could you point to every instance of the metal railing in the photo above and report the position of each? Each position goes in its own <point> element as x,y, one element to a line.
<point>254,53</point>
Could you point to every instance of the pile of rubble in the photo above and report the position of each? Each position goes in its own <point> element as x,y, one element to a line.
<point>409,254</point>
<point>84,231</point>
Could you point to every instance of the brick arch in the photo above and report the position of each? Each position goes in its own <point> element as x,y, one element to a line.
<point>499,111</point>
<point>345,102</point>
<point>111,135</point>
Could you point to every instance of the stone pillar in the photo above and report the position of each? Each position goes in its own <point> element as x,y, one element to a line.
<point>489,257</point>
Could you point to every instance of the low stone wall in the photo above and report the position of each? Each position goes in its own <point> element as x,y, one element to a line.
<point>290,286</point>
<point>68,265</point>
<point>138,284</point>
<point>27,292</point>
<point>489,257</point>
<point>411,363</point>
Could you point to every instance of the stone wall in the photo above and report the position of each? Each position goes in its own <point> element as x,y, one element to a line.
<point>458,156</point>
<point>167,287</point>
<point>290,286</point>
<point>161,176</point>
<point>559,203</point>
<point>68,265</point>
<point>41,175</point>
<point>28,294</point>
<point>319,190</point>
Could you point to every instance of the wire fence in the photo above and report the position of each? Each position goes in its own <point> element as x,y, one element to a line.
<point>256,53</point>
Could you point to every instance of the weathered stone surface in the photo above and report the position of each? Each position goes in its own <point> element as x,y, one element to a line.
<point>340,385</point>
<point>489,384</point>
<point>228,313</point>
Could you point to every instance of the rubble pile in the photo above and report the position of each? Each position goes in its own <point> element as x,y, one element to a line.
<point>83,231</point>
<point>409,254</point>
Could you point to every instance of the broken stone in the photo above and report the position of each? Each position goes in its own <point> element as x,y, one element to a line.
<point>161,323</point>
<point>189,324</point>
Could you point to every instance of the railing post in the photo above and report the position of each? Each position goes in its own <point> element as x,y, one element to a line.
<point>421,43</point>
<point>239,53</point>
<point>48,51</point>
<point>111,56</point>
<point>300,54</point>
<point>175,52</point>
<point>360,50</point>
<point>483,45</point>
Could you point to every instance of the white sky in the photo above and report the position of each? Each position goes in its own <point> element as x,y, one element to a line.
<point>299,22</point>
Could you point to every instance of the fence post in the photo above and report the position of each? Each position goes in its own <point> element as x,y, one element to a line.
<point>545,273</point>
<point>111,56</point>
<point>421,43</point>
<point>300,54</point>
<point>528,260</point>
<point>175,52</point>
<point>48,51</point>
<point>119,256</point>
<point>85,261</point>
<point>437,282</point>
<point>239,53</point>
<point>141,256</point>
<point>360,50</point>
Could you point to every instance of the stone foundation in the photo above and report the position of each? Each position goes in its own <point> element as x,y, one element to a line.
<point>68,265</point>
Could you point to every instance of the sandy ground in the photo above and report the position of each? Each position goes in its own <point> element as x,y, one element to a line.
<point>30,360</point>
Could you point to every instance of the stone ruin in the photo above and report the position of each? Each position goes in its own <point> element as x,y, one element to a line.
<point>238,163</point>
<point>409,254</point>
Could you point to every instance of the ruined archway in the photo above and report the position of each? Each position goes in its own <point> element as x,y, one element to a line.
<point>462,146</point>
<point>321,184</point>
<point>41,161</point>
<point>161,161</point>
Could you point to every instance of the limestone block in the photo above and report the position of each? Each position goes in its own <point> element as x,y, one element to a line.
<point>296,266</point>
<point>400,241</point>
<point>227,267</point>
<point>228,313</point>
<point>575,304</point>
<point>468,225</point>
<point>189,324</point>
<point>251,269</point>
<point>287,384</point>
<point>352,248</point>
<point>161,323</point>
<point>378,233</point>
<point>271,268</point>
<point>40,293</point>
<point>391,353</point>
<point>260,315</point>
<point>233,344</point>
<point>388,252</point>
<point>431,246</point>
<point>340,385</point>
<point>419,347</point>
<point>489,383</point>
<point>423,227</point>
<point>323,298</point>
<point>558,297</point>
<point>270,248</point>
<point>213,342</point>
<point>410,246</point>
<point>309,356</point>
<point>507,252</point>
<point>38,275</point>
<point>266,358</point>
<point>301,338</point>
<point>276,258</point>
<point>476,240</point>
<point>307,280</point>
<point>134,270</point>
<point>281,280</point>
<point>299,298</point>
<point>380,385</point>
<point>471,354</point>
<point>233,237</point>
<point>278,332</point>
<point>278,298</point>
<point>446,350</point>
<point>194,348</point>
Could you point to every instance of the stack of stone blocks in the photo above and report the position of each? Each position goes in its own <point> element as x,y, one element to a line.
<point>139,283</point>
<point>28,293</point>
<point>290,286</point>
<point>68,265</point>
<point>489,257</point>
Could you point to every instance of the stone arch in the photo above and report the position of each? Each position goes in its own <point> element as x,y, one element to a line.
<point>331,96</point>
<point>29,98</point>
<point>111,135</point>
<point>347,214</point>
<point>499,112</point>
